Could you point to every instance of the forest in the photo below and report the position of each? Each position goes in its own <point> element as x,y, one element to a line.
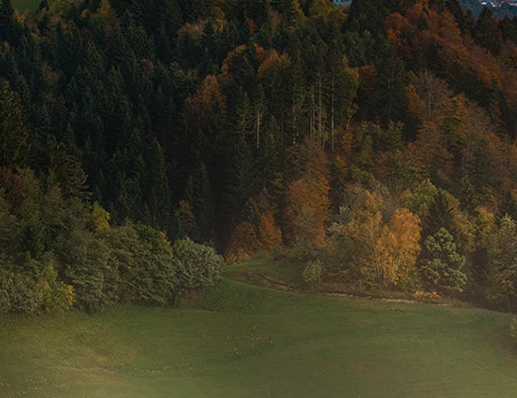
<point>374,144</point>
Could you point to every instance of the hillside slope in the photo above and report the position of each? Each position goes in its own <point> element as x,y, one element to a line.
<point>242,341</point>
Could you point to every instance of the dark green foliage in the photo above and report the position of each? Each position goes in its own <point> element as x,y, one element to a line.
<point>143,263</point>
<point>86,268</point>
<point>423,197</point>
<point>486,31</point>
<point>32,240</point>
<point>463,16</point>
<point>242,184</point>
<point>198,194</point>
<point>507,29</point>
<point>438,216</point>
<point>501,273</point>
<point>388,100</point>
<point>7,24</point>
<point>14,129</point>
<point>55,252</point>
<point>155,279</point>
<point>60,168</point>
<point>508,206</point>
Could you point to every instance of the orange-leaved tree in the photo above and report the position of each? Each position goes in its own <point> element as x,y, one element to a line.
<point>269,234</point>
<point>308,200</point>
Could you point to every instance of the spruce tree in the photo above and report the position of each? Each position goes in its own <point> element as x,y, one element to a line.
<point>14,129</point>
<point>439,216</point>
<point>441,269</point>
<point>6,20</point>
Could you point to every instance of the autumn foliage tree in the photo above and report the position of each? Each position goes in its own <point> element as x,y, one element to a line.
<point>308,202</point>
<point>268,232</point>
<point>397,250</point>
<point>243,243</point>
<point>257,233</point>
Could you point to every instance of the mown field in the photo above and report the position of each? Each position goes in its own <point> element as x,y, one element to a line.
<point>243,341</point>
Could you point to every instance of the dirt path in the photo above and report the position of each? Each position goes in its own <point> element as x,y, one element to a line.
<point>266,281</point>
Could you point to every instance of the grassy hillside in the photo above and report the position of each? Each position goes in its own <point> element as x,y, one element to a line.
<point>243,341</point>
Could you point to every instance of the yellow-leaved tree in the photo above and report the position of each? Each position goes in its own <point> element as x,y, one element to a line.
<point>397,249</point>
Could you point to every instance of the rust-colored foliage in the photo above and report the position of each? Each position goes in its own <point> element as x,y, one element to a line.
<point>243,243</point>
<point>208,96</point>
<point>269,234</point>
<point>272,63</point>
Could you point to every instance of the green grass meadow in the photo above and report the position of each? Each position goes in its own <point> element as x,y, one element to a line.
<point>243,341</point>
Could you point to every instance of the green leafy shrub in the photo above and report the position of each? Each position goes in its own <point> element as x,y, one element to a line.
<point>198,265</point>
<point>312,273</point>
<point>123,264</point>
<point>33,286</point>
<point>17,292</point>
<point>54,294</point>
<point>87,268</point>
<point>155,273</point>
<point>56,252</point>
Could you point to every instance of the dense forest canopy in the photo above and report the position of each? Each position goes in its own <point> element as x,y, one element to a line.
<point>376,141</point>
